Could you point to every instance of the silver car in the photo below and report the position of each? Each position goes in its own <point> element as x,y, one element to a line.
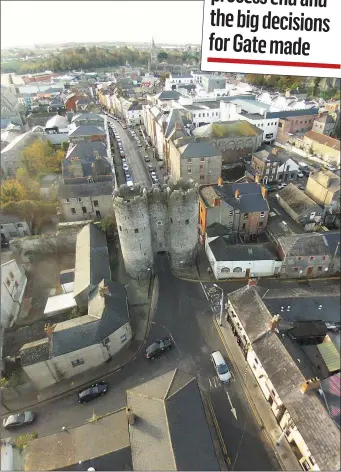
<point>19,419</point>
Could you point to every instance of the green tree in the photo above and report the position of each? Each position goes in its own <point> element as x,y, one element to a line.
<point>163,77</point>
<point>162,56</point>
<point>108,224</point>
<point>12,191</point>
<point>42,157</point>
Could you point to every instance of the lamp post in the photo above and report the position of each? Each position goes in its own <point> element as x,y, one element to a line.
<point>221,304</point>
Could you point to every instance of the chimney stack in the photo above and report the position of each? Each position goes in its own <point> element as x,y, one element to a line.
<point>131,416</point>
<point>274,322</point>
<point>311,384</point>
<point>220,182</point>
<point>257,178</point>
<point>264,192</point>
<point>236,194</point>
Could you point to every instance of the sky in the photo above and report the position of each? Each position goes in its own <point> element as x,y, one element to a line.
<point>24,23</point>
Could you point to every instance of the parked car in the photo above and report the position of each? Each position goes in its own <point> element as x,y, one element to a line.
<point>282,186</point>
<point>125,167</point>
<point>93,391</point>
<point>155,180</point>
<point>147,158</point>
<point>270,188</point>
<point>151,168</point>
<point>4,243</point>
<point>158,347</point>
<point>221,367</point>
<point>19,419</point>
<point>300,175</point>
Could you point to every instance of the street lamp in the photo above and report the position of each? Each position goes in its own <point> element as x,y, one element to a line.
<point>221,304</point>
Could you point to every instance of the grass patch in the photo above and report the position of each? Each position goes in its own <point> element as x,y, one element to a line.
<point>22,440</point>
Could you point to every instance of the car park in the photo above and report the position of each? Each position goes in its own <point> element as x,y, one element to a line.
<point>93,391</point>
<point>158,347</point>
<point>19,419</point>
<point>221,367</point>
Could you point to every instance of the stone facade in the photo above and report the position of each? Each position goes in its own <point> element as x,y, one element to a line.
<point>162,219</point>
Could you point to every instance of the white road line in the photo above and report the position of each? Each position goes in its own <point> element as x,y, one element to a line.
<point>210,382</point>
<point>203,290</point>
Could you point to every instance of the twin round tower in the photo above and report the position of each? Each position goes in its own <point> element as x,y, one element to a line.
<point>162,219</point>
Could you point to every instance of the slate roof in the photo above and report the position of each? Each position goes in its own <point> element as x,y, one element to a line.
<point>307,411</point>
<point>216,229</point>
<point>108,449</point>
<point>331,388</point>
<point>198,149</point>
<point>264,155</point>
<point>223,250</point>
<point>168,95</point>
<point>86,150</point>
<point>333,240</point>
<point>85,189</point>
<point>306,244</point>
<point>250,196</point>
<point>175,124</point>
<point>297,200</point>
<point>90,116</point>
<point>86,130</point>
<point>35,351</point>
<point>227,129</point>
<point>57,120</point>
<point>105,316</point>
<point>92,259</point>
<point>171,431</point>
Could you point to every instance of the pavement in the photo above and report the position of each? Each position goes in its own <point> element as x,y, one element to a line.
<point>257,401</point>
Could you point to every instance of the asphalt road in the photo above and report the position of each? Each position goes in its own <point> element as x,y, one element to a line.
<point>133,156</point>
<point>184,314</point>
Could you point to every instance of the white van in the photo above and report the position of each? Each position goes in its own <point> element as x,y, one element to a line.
<point>221,367</point>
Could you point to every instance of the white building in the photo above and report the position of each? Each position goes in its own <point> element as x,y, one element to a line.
<point>174,81</point>
<point>154,119</point>
<point>13,227</point>
<point>202,112</point>
<point>13,284</point>
<point>241,260</point>
<point>254,112</point>
<point>288,168</point>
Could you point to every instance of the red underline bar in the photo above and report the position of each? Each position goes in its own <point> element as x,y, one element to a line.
<point>315,65</point>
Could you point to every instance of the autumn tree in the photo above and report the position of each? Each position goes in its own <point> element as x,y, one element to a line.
<point>12,191</point>
<point>42,157</point>
<point>30,185</point>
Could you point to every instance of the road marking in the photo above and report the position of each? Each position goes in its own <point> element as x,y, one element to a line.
<point>220,436</point>
<point>233,410</point>
<point>210,382</point>
<point>204,290</point>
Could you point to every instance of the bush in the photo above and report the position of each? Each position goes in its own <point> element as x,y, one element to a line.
<point>22,440</point>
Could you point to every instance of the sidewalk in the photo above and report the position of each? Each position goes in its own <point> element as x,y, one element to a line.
<point>257,401</point>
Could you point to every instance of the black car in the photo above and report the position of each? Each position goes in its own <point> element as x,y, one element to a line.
<point>158,347</point>
<point>93,391</point>
<point>147,158</point>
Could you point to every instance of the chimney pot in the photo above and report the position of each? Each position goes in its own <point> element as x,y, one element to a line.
<point>236,193</point>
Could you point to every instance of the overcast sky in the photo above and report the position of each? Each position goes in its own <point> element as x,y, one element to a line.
<point>31,22</point>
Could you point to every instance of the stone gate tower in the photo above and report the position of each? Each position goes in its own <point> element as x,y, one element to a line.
<point>164,218</point>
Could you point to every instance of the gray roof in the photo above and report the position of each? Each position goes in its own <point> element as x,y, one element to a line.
<point>86,189</point>
<point>307,411</point>
<point>297,200</point>
<point>176,124</point>
<point>216,229</point>
<point>92,259</point>
<point>106,314</point>
<point>87,130</point>
<point>224,251</point>
<point>250,196</point>
<point>198,149</point>
<point>108,449</point>
<point>90,116</point>
<point>333,240</point>
<point>171,431</point>
<point>66,276</point>
<point>168,95</point>
<point>34,352</point>
<point>306,244</point>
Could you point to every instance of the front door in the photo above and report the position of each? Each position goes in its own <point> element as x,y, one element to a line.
<point>310,271</point>
<point>247,273</point>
